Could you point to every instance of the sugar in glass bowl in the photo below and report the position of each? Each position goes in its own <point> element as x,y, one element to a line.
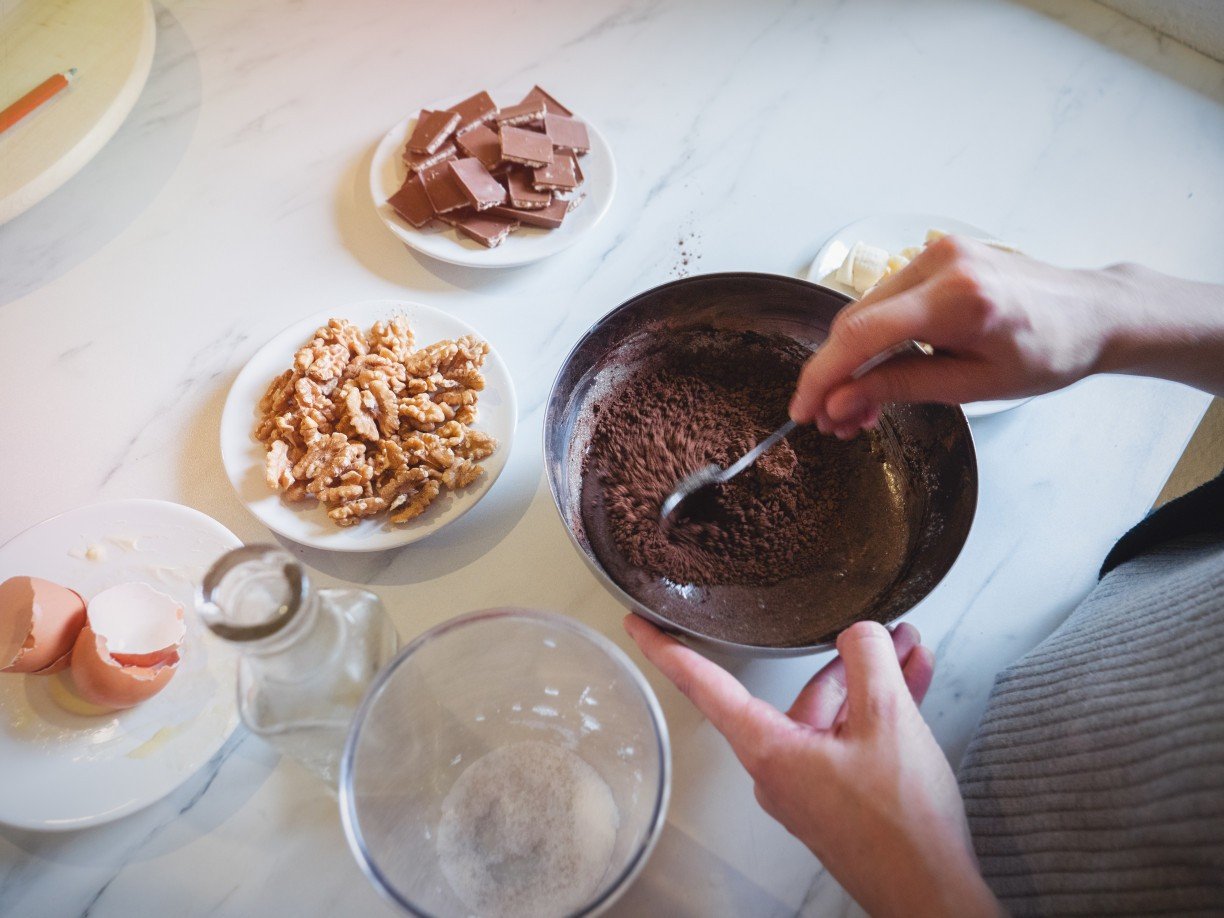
<point>507,762</point>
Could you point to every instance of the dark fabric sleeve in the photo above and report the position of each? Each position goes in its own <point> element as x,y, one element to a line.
<point>1201,512</point>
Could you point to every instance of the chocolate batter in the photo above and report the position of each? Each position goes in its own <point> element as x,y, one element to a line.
<point>787,553</point>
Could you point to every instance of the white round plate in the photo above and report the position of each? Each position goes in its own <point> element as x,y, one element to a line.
<point>527,243</point>
<point>307,523</point>
<point>895,232</point>
<point>64,770</point>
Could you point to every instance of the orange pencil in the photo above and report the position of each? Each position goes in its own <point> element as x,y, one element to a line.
<point>34,98</point>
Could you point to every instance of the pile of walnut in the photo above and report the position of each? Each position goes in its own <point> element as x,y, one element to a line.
<point>363,423</point>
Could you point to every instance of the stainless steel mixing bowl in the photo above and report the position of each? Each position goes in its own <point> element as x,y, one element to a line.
<point>938,444</point>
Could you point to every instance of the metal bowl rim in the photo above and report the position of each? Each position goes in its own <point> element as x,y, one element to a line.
<point>732,648</point>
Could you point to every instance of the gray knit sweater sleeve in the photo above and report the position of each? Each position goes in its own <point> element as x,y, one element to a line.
<point>1095,783</point>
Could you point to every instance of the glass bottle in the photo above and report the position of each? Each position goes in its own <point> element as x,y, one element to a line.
<point>307,655</point>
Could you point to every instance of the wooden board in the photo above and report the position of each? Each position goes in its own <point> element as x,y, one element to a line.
<point>110,42</point>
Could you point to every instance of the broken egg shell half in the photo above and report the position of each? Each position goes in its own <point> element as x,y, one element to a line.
<point>39,622</point>
<point>129,648</point>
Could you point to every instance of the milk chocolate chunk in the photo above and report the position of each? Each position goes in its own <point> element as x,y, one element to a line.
<point>521,113</point>
<point>559,175</point>
<point>551,105</point>
<point>568,134</point>
<point>487,229</point>
<point>431,131</point>
<point>443,189</point>
<point>530,148</point>
<point>481,189</point>
<point>417,162</point>
<point>522,191</point>
<point>482,143</point>
<point>549,217</point>
<point>473,111</point>
<point>412,203</point>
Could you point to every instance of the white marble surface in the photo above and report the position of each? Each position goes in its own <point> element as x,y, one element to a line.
<point>231,203</point>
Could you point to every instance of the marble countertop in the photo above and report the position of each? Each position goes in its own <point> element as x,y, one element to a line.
<point>232,202</point>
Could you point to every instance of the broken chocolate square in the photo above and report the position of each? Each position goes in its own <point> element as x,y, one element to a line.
<point>481,189</point>
<point>473,111</point>
<point>549,217</point>
<point>443,189</point>
<point>522,190</point>
<point>482,143</point>
<point>487,229</point>
<point>431,131</point>
<point>521,113</point>
<point>551,105</point>
<point>559,175</point>
<point>567,134</point>
<point>417,162</point>
<point>528,148</point>
<point>412,203</point>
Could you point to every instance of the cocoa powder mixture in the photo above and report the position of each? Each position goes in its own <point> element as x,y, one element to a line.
<point>786,553</point>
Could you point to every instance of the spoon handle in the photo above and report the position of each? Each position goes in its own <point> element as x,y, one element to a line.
<point>757,451</point>
<point>909,346</point>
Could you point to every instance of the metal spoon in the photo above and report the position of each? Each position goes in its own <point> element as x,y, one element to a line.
<point>688,486</point>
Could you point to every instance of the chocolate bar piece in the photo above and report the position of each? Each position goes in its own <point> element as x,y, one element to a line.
<point>473,111</point>
<point>482,190</point>
<point>549,217</point>
<point>482,143</point>
<point>443,189</point>
<point>559,175</point>
<point>417,162</point>
<point>551,105</point>
<point>567,134</point>
<point>412,203</point>
<point>487,229</point>
<point>521,113</point>
<point>528,148</point>
<point>522,192</point>
<point>431,131</point>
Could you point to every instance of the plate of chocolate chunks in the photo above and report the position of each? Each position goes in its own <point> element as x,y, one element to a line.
<point>486,186</point>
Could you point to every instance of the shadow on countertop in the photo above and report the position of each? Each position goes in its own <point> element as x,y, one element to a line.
<point>1142,43</point>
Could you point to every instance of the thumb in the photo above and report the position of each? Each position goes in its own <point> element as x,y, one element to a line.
<point>875,687</point>
<point>943,379</point>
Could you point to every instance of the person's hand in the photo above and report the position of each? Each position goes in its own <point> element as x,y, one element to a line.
<point>851,770</point>
<point>1003,326</point>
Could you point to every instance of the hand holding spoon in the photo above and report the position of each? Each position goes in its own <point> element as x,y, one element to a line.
<point>694,482</point>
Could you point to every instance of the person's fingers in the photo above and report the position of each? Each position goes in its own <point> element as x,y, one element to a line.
<point>854,338</point>
<point>918,670</point>
<point>874,684</point>
<point>824,695</point>
<point>744,720</point>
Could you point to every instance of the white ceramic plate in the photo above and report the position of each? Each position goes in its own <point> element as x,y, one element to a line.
<point>307,523</point>
<point>895,232</point>
<point>64,770</point>
<point>527,243</point>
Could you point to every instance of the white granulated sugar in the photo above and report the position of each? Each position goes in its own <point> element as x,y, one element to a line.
<point>527,829</point>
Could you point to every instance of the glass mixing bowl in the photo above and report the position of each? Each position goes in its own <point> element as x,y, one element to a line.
<point>506,762</point>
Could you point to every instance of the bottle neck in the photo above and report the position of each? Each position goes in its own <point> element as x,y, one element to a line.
<point>259,598</point>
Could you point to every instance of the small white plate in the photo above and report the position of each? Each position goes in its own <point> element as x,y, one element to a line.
<point>894,232</point>
<point>63,770</point>
<point>307,523</point>
<point>527,243</point>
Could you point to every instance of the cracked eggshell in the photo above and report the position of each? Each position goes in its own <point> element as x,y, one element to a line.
<point>129,648</point>
<point>39,621</point>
